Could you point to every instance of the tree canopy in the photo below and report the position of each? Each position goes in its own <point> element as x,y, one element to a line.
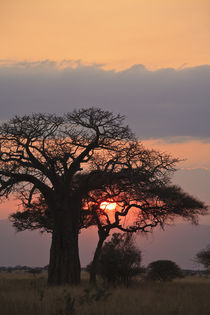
<point>136,179</point>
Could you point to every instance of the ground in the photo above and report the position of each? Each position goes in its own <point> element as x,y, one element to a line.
<point>23,294</point>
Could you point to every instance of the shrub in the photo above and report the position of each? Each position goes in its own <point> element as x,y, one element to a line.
<point>163,270</point>
<point>203,257</point>
<point>120,260</point>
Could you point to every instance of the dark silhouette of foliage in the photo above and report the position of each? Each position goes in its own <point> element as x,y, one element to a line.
<point>63,167</point>
<point>203,257</point>
<point>119,260</point>
<point>163,270</point>
<point>45,154</point>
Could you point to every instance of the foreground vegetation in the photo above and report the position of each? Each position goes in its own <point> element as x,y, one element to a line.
<point>23,294</point>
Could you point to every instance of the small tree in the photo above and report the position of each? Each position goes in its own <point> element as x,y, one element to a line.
<point>163,270</point>
<point>203,257</point>
<point>119,260</point>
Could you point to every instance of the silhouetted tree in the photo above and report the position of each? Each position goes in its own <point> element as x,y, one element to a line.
<point>119,260</point>
<point>44,153</point>
<point>163,270</point>
<point>140,208</point>
<point>203,257</point>
<point>76,162</point>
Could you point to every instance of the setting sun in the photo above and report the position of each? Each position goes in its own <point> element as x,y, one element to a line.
<point>106,205</point>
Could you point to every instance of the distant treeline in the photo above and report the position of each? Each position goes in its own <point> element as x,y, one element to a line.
<point>23,268</point>
<point>37,270</point>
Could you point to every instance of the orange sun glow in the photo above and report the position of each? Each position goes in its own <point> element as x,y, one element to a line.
<point>107,205</point>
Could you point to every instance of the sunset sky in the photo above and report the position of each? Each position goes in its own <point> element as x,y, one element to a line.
<point>149,60</point>
<point>118,34</point>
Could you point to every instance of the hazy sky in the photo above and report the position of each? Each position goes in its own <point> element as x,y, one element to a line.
<point>149,60</point>
<point>179,243</point>
<point>120,33</point>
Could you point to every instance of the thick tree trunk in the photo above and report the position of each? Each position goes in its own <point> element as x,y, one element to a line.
<point>94,264</point>
<point>64,265</point>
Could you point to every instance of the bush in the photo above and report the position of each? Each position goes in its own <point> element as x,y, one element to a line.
<point>203,257</point>
<point>163,270</point>
<point>120,260</point>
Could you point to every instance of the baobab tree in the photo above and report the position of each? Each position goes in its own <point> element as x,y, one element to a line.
<point>135,180</point>
<point>44,153</point>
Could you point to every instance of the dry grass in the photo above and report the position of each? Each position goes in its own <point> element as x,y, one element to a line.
<point>24,294</point>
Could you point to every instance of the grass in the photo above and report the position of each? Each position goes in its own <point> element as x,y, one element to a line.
<point>25,294</point>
